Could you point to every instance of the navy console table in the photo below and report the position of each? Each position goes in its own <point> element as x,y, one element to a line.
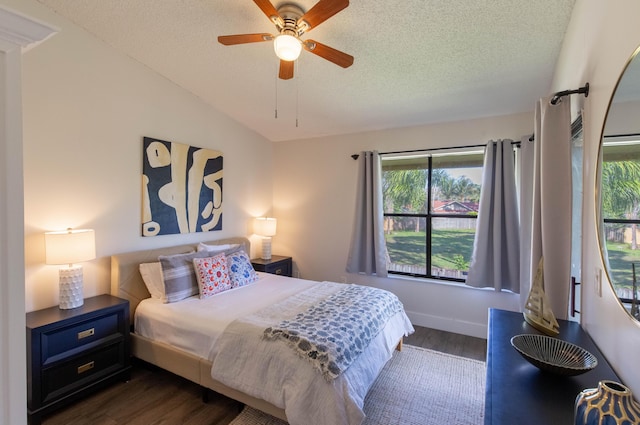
<point>519,393</point>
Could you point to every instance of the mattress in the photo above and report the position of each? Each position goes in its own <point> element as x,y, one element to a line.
<point>194,325</point>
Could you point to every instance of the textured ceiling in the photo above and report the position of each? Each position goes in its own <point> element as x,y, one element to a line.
<point>416,61</point>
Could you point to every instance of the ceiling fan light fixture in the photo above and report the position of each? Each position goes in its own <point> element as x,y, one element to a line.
<point>292,22</point>
<point>287,47</point>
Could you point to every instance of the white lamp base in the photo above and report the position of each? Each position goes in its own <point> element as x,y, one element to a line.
<point>71,287</point>
<point>266,248</point>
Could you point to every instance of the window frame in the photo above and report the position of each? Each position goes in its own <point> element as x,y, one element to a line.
<point>429,216</point>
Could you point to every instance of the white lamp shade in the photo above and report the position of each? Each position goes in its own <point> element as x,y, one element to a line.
<point>287,47</point>
<point>70,246</point>
<point>265,226</point>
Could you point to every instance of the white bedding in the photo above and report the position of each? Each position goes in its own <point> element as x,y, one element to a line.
<point>278,375</point>
<point>194,324</point>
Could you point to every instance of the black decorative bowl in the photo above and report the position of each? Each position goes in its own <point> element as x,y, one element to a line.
<point>554,355</point>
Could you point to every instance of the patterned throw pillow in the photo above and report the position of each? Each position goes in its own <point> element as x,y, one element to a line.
<point>240,268</point>
<point>212,275</point>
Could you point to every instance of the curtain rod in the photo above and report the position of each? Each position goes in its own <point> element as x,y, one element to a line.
<point>556,97</point>
<point>357,155</point>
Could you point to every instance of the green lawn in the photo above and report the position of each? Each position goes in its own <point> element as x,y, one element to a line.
<point>409,248</point>
<point>620,259</point>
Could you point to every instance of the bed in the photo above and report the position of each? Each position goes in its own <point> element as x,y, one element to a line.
<point>222,357</point>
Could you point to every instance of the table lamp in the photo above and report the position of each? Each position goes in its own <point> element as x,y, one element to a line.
<point>69,247</point>
<point>265,227</point>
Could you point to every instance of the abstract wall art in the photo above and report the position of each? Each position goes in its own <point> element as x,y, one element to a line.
<point>181,188</point>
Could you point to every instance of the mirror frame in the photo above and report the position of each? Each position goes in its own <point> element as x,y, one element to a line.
<point>598,186</point>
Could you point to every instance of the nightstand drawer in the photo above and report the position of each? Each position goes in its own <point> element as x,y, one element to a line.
<point>59,341</point>
<point>62,379</point>
<point>278,264</point>
<point>281,269</point>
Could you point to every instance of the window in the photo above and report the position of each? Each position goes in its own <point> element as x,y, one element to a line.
<point>621,213</point>
<point>430,213</point>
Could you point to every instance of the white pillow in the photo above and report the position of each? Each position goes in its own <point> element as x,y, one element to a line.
<point>216,248</point>
<point>153,279</point>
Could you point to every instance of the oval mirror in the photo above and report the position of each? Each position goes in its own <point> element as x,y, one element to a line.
<point>619,183</point>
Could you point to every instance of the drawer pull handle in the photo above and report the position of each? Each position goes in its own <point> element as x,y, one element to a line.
<point>85,367</point>
<point>88,332</point>
<point>279,271</point>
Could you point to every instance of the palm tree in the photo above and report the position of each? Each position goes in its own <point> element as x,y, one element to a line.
<point>439,178</point>
<point>445,190</point>
<point>466,189</point>
<point>461,189</point>
<point>621,192</point>
<point>404,190</point>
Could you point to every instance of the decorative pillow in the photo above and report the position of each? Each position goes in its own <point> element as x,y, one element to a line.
<point>153,279</point>
<point>240,268</point>
<point>212,275</point>
<point>180,280</point>
<point>216,248</point>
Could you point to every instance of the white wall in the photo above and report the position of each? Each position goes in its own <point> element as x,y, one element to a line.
<point>86,110</point>
<point>599,41</point>
<point>314,192</point>
<point>17,32</point>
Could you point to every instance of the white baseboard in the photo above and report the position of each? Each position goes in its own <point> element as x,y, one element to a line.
<point>478,330</point>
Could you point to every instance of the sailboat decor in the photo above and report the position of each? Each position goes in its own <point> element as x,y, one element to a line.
<point>537,311</point>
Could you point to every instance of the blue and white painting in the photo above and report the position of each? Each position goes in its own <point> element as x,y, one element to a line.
<point>181,188</point>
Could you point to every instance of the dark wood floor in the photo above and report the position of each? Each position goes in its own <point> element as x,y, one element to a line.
<point>447,342</point>
<point>154,396</point>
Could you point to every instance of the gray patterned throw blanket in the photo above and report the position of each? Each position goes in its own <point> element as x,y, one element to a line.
<point>334,332</point>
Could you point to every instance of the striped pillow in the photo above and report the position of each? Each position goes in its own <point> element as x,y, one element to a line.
<point>180,280</point>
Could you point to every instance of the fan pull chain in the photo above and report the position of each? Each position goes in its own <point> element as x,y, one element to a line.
<point>297,90</point>
<point>276,96</point>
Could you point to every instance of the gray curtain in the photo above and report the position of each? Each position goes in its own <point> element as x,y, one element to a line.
<point>526,156</point>
<point>495,261</point>
<point>368,251</point>
<point>551,204</point>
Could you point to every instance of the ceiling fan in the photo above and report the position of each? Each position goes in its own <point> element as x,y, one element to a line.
<point>292,22</point>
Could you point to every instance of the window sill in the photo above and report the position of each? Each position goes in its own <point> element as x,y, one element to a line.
<point>427,280</point>
<point>421,280</point>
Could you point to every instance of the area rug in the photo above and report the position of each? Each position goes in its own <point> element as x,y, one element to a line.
<point>417,387</point>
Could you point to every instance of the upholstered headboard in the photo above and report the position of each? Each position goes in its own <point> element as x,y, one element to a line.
<point>126,281</point>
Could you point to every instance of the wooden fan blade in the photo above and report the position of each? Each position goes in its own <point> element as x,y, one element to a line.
<point>329,53</point>
<point>267,8</point>
<point>229,40</point>
<point>322,11</point>
<point>286,70</point>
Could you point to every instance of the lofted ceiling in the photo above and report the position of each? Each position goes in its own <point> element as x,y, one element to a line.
<point>416,61</point>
